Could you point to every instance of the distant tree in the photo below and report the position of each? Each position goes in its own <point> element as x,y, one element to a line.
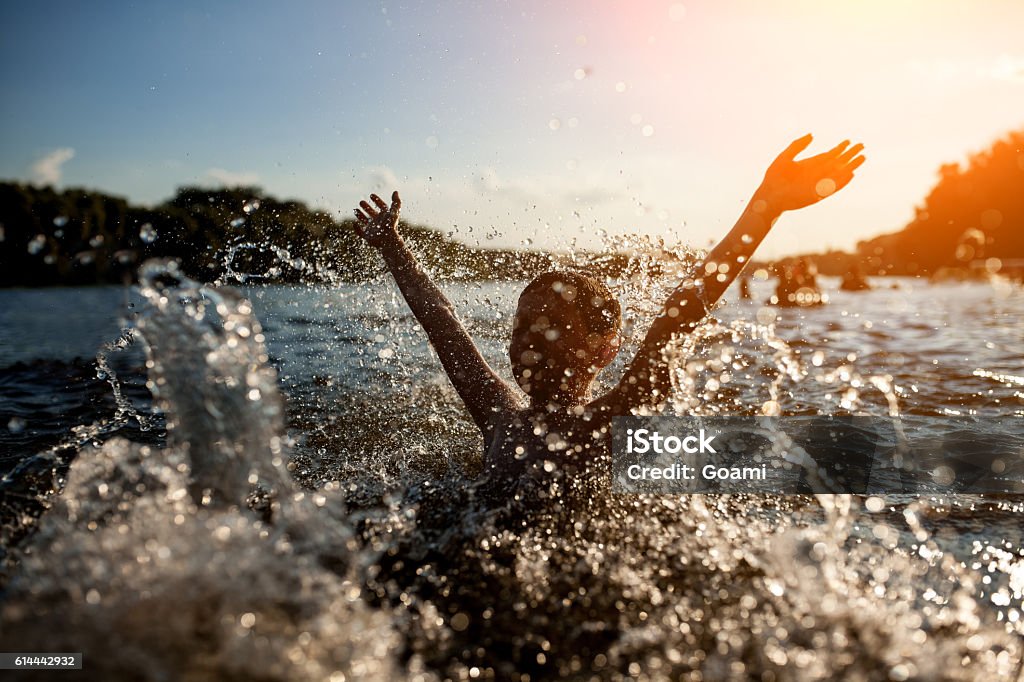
<point>81,237</point>
<point>973,213</point>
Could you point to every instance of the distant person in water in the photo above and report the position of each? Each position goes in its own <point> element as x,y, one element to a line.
<point>854,279</point>
<point>798,285</point>
<point>567,325</point>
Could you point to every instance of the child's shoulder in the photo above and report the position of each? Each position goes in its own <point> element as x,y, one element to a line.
<point>524,435</point>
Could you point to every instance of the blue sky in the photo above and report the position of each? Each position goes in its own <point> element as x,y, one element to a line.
<point>502,122</point>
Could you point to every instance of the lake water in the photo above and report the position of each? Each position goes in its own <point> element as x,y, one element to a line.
<point>381,562</point>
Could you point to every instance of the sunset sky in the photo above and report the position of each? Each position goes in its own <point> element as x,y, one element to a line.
<point>523,120</point>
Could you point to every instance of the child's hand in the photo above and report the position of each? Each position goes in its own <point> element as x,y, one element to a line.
<point>378,227</point>
<point>790,184</point>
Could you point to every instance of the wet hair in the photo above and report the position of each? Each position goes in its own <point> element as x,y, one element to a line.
<point>553,292</point>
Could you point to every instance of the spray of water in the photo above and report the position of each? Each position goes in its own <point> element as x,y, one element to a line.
<point>164,560</point>
<point>208,559</point>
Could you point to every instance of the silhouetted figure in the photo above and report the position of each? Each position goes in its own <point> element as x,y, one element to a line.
<point>567,328</point>
<point>798,286</point>
<point>854,279</point>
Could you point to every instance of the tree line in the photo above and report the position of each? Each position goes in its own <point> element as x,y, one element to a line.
<point>78,236</point>
<point>972,216</point>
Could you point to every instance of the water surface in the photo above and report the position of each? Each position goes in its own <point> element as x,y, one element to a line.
<point>379,561</point>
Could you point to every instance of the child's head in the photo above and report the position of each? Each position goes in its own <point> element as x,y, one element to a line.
<point>566,329</point>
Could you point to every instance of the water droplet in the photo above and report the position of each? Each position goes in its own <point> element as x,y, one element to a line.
<point>147,233</point>
<point>251,205</point>
<point>554,124</point>
<point>825,187</point>
<point>620,86</point>
<point>765,315</point>
<point>647,130</point>
<point>16,425</point>
<point>874,504</point>
<point>991,219</point>
<point>385,353</point>
<point>60,221</point>
<point>579,74</point>
<point>36,244</point>
<point>432,142</point>
<point>459,622</point>
<point>238,222</point>
<point>943,475</point>
<point>964,252</point>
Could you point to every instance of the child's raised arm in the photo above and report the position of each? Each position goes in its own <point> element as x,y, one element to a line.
<point>483,392</point>
<point>788,185</point>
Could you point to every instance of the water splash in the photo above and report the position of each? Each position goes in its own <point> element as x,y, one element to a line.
<point>151,559</point>
<point>148,233</point>
<point>280,261</point>
<point>389,569</point>
<point>229,401</point>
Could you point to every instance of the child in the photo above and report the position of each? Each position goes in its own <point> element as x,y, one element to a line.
<point>566,327</point>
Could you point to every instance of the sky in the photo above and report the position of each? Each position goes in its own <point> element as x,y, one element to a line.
<point>512,123</point>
